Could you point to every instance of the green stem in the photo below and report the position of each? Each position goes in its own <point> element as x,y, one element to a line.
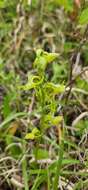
<point>58,168</point>
<point>48,179</point>
<point>24,170</point>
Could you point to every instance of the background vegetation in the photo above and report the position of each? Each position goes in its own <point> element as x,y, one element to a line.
<point>44,95</point>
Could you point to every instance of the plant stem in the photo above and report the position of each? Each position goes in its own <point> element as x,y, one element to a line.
<point>48,179</point>
<point>59,165</point>
<point>24,170</point>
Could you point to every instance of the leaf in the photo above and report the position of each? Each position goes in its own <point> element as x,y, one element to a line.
<point>50,57</point>
<point>54,88</point>
<point>83,19</point>
<point>33,81</point>
<point>13,147</point>
<point>41,153</point>
<point>50,120</point>
<point>43,58</point>
<point>5,28</point>
<point>11,117</point>
<point>30,136</point>
<point>40,63</point>
<point>33,135</point>
<point>70,161</point>
<point>67,4</point>
<point>2,4</point>
<point>65,162</point>
<point>6,105</point>
<point>56,120</point>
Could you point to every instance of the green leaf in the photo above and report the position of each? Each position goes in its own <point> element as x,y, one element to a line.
<point>70,161</point>
<point>56,120</point>
<point>43,58</point>
<point>11,117</point>
<point>67,4</point>
<point>6,105</point>
<point>41,153</point>
<point>33,135</point>
<point>2,3</point>
<point>50,56</point>
<point>54,88</point>
<point>33,81</point>
<point>40,63</point>
<point>14,150</point>
<point>65,162</point>
<point>83,19</point>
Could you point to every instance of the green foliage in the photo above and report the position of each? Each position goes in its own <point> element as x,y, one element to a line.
<point>33,135</point>
<point>83,19</point>
<point>13,147</point>
<point>67,4</point>
<point>82,127</point>
<point>10,118</point>
<point>40,153</point>
<point>45,92</point>
<point>43,59</point>
<point>82,84</point>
